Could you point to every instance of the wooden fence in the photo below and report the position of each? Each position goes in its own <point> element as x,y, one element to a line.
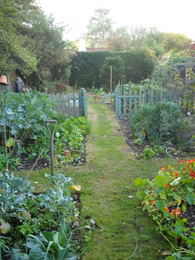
<point>71,104</point>
<point>128,100</point>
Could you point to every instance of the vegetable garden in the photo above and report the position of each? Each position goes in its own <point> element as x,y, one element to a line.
<point>42,216</point>
<point>38,225</point>
<point>45,224</point>
<point>102,199</point>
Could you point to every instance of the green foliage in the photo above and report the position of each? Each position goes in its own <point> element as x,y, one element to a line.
<point>118,71</point>
<point>168,199</point>
<point>157,122</point>
<point>138,141</point>
<point>49,55</point>
<point>70,139</point>
<point>15,192</point>
<point>14,53</point>
<point>158,42</point>
<point>119,40</point>
<point>99,28</point>
<point>176,73</point>
<point>25,214</point>
<point>153,151</point>
<point>86,67</point>
<point>30,42</point>
<point>48,245</point>
<point>148,153</point>
<point>24,132</point>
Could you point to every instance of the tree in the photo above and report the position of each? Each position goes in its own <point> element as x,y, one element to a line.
<point>158,42</point>
<point>44,40</point>
<point>99,28</point>
<point>119,39</point>
<point>30,43</point>
<point>13,53</point>
<point>175,41</point>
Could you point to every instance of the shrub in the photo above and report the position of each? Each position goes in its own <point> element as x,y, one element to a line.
<point>86,67</point>
<point>157,122</point>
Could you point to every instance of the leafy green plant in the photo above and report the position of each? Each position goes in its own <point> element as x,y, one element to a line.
<point>158,122</point>
<point>28,227</point>
<point>159,150</point>
<point>24,133</point>
<point>138,141</point>
<point>148,153</point>
<point>70,136</point>
<point>48,245</point>
<point>14,193</point>
<point>168,199</point>
<point>23,213</point>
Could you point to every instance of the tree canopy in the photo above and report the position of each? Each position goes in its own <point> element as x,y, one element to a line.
<point>30,42</point>
<point>14,16</point>
<point>99,28</point>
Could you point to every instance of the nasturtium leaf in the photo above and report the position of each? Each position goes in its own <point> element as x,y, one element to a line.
<point>160,180</point>
<point>160,204</point>
<point>190,189</point>
<point>170,258</point>
<point>179,228</point>
<point>139,182</point>
<point>190,197</point>
<point>140,194</point>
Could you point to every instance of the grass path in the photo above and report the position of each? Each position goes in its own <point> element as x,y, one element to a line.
<point>124,230</point>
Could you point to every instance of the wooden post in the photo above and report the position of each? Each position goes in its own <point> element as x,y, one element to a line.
<point>118,103</point>
<point>51,127</point>
<point>111,79</point>
<point>83,102</point>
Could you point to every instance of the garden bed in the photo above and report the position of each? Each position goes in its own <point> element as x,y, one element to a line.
<point>170,201</point>
<point>39,225</point>
<point>25,137</point>
<point>138,149</point>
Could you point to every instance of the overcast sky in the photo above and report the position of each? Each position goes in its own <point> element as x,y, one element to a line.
<point>176,16</point>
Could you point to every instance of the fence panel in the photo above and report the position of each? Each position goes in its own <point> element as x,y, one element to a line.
<point>129,100</point>
<point>71,104</point>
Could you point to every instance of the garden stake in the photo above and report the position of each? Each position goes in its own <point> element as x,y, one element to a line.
<point>51,127</point>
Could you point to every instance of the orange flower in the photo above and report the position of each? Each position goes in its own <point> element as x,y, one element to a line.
<point>153,202</point>
<point>176,212</point>
<point>170,167</point>
<point>167,185</point>
<point>162,169</point>
<point>167,209</point>
<point>190,161</point>
<point>192,173</point>
<point>176,174</point>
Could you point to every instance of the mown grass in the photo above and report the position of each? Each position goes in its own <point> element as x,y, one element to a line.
<point>123,231</point>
